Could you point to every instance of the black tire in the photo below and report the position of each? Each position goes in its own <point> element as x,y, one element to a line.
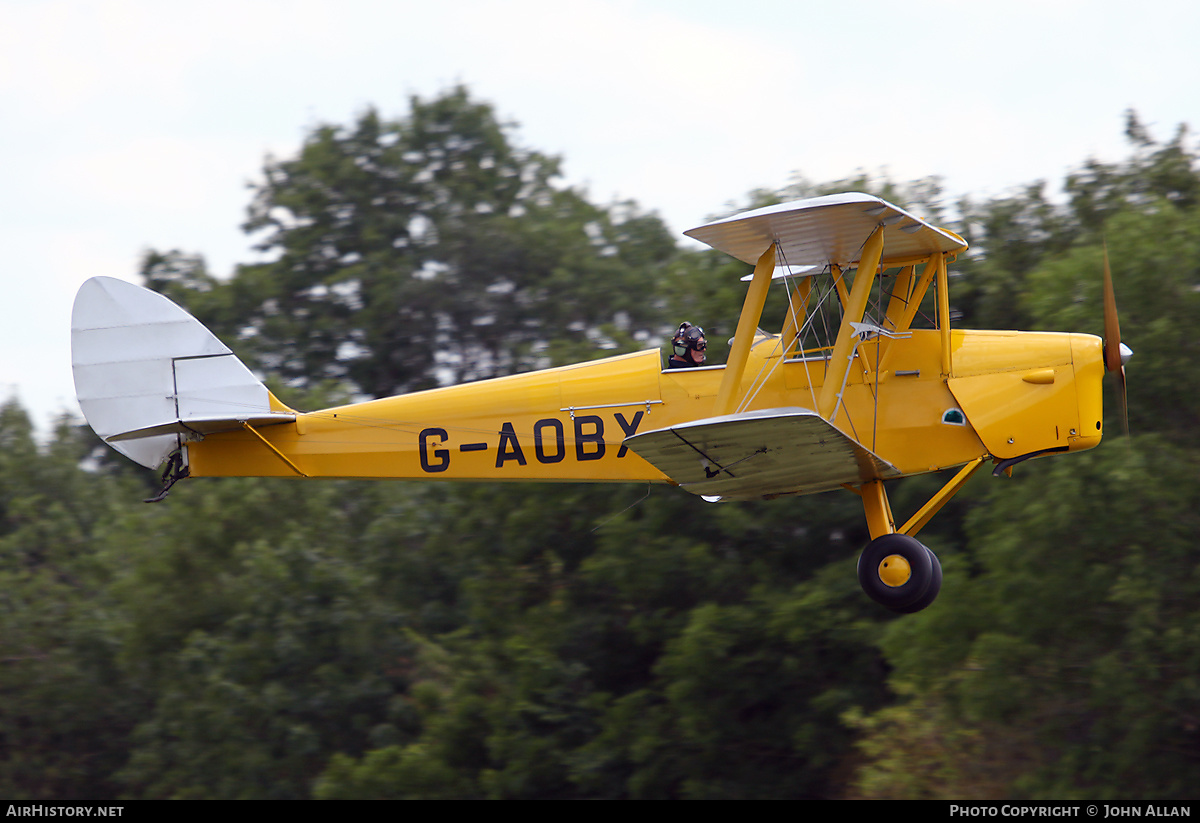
<point>896,596</point>
<point>935,586</point>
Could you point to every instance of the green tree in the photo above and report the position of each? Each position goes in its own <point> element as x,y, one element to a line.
<point>673,652</point>
<point>426,250</point>
<point>279,638</point>
<point>1155,259</point>
<point>64,715</point>
<point>249,614</point>
<point>1057,662</point>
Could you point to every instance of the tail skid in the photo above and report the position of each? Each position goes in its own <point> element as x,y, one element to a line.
<point>148,374</point>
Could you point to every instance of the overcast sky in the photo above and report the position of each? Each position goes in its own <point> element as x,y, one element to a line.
<point>129,124</point>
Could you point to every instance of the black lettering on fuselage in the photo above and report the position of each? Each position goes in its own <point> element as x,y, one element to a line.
<point>629,428</point>
<point>442,456</point>
<point>510,447</point>
<point>539,440</point>
<point>549,442</point>
<point>582,438</point>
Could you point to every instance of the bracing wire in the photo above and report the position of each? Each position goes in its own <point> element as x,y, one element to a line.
<point>841,403</point>
<point>622,511</point>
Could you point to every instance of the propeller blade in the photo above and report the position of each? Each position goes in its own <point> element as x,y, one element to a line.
<point>1112,326</point>
<point>1115,352</point>
<point>1123,400</point>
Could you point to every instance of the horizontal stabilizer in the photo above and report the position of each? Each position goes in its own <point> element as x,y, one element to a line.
<point>147,372</point>
<point>204,425</point>
<point>760,454</point>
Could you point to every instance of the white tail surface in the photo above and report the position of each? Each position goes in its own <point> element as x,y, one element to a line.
<point>147,372</point>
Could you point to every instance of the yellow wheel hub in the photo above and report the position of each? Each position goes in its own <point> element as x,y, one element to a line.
<point>894,570</point>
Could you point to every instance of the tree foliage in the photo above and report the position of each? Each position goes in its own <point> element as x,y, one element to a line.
<point>286,639</point>
<point>426,250</point>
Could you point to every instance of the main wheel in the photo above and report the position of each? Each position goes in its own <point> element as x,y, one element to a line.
<point>935,586</point>
<point>896,571</point>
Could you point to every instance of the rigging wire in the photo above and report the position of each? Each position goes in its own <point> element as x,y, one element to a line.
<point>622,511</point>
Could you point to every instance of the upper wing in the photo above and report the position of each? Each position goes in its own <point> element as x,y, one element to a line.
<point>759,454</point>
<point>823,230</point>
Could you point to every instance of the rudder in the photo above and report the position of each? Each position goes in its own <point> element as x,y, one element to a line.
<point>147,373</point>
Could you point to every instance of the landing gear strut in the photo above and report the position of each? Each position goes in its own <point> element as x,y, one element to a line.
<point>895,570</point>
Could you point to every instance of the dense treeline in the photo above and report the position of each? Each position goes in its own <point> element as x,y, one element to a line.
<point>285,639</point>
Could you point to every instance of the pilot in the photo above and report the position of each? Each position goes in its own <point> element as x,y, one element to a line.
<point>687,347</point>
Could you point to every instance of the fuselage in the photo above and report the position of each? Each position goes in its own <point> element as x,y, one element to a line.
<point>1006,394</point>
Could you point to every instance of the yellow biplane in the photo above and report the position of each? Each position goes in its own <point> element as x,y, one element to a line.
<point>866,382</point>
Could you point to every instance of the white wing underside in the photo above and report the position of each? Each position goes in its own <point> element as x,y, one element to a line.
<point>823,230</point>
<point>760,454</point>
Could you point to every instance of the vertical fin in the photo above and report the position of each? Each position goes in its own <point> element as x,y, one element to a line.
<point>146,371</point>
